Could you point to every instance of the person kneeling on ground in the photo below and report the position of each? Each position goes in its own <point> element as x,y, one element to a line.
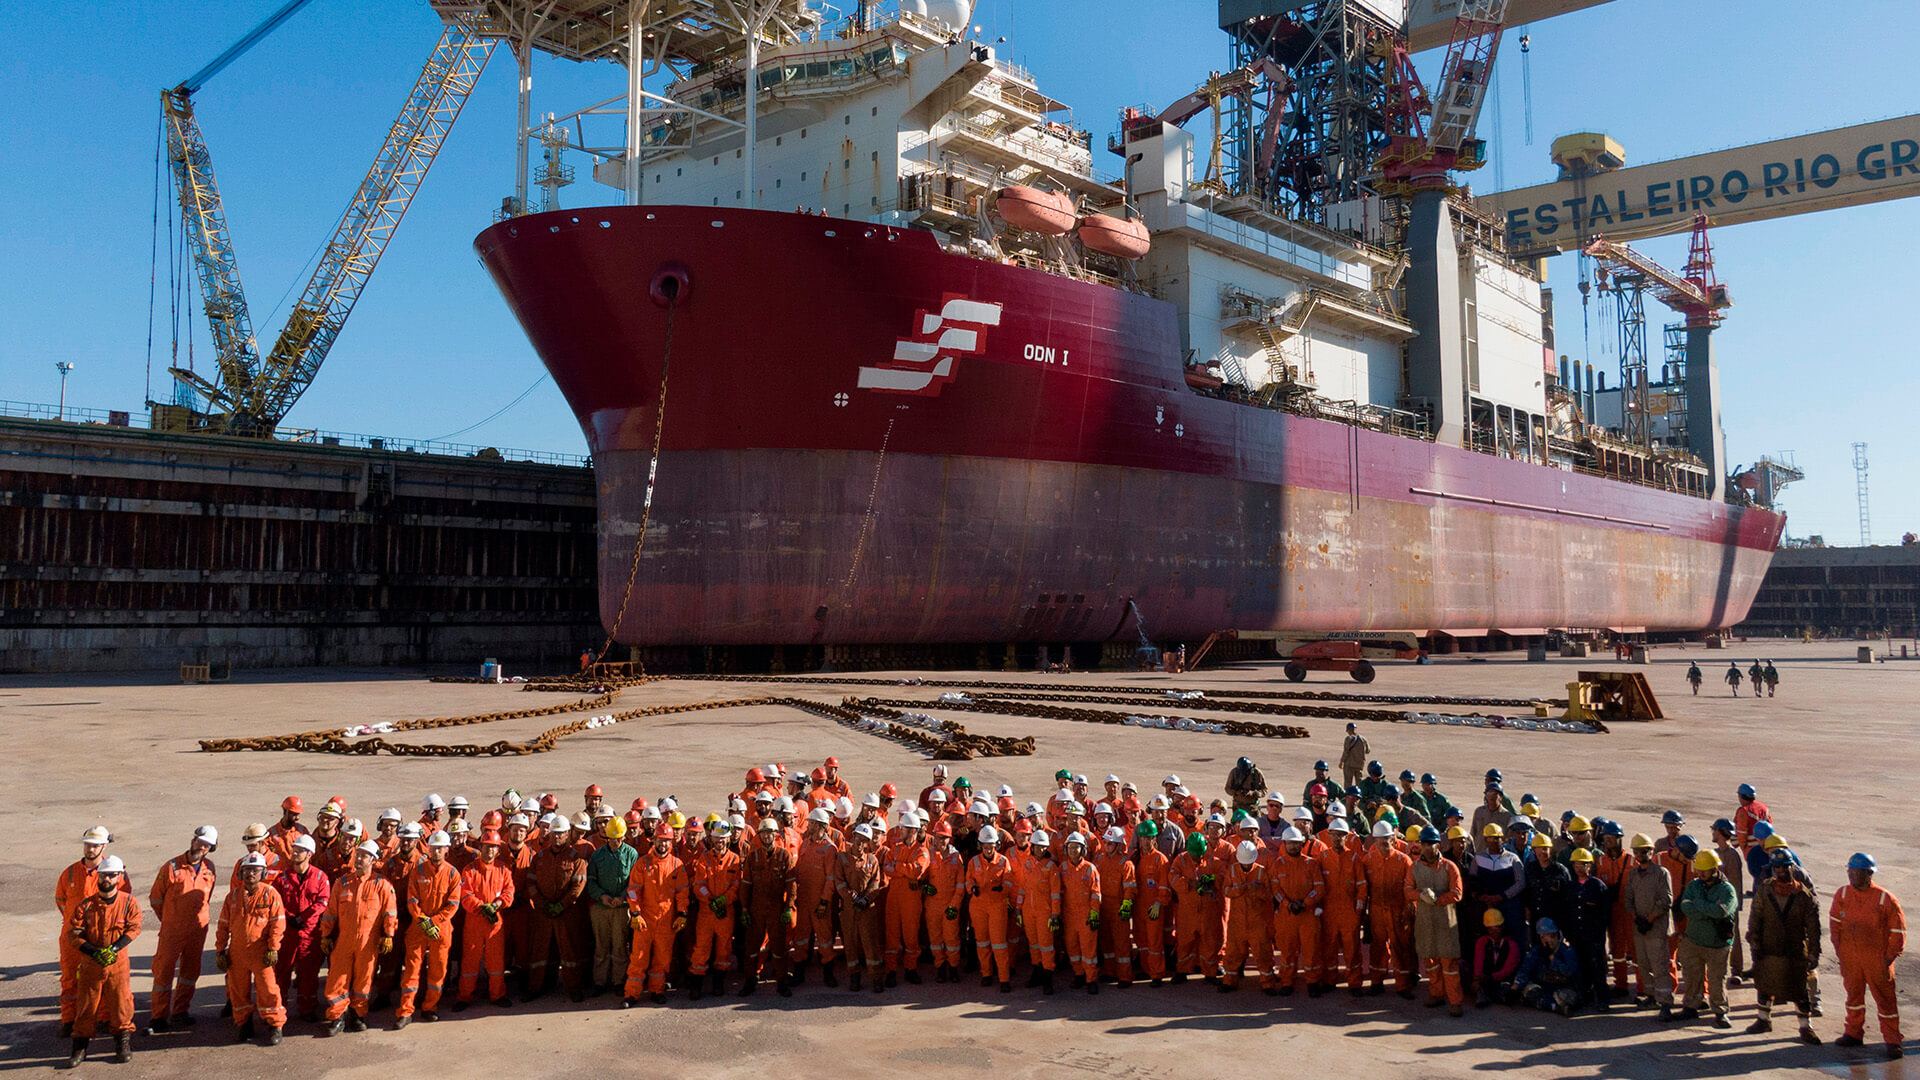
<point>1495,958</point>
<point>1549,977</point>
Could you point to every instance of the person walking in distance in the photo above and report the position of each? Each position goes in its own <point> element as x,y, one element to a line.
<point>1694,678</point>
<point>1353,757</point>
<point>1733,678</point>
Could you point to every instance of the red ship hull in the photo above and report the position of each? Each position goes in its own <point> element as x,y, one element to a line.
<point>870,440</point>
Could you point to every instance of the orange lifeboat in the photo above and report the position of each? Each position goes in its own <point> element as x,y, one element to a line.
<point>1047,212</point>
<point>1120,237</point>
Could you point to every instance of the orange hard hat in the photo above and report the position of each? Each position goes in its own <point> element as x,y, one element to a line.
<point>639,804</point>
<point>492,819</point>
<point>489,837</point>
<point>819,774</point>
<point>945,828</point>
<point>293,803</point>
<point>549,801</point>
<point>693,825</point>
<point>831,763</point>
<point>756,776</point>
<point>1006,802</point>
<point>1023,826</point>
<point>633,817</point>
<point>888,791</point>
<point>593,790</point>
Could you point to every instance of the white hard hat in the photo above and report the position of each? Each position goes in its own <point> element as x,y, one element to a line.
<point>1247,853</point>
<point>520,820</point>
<point>253,859</point>
<point>459,803</point>
<point>605,811</point>
<point>1063,795</point>
<point>1292,836</point>
<point>1340,825</point>
<point>530,806</point>
<point>763,795</point>
<point>369,848</point>
<point>353,827</point>
<point>410,831</point>
<point>111,865</point>
<point>96,835</point>
<point>989,835</point>
<point>433,802</point>
<point>1158,802</point>
<point>459,825</point>
<point>720,828</point>
<point>209,834</point>
<point>737,805</point>
<point>253,833</point>
<point>1300,813</point>
<point>819,814</point>
<point>1076,838</point>
<point>939,769</point>
<point>668,804</point>
<point>1249,822</point>
<point>391,813</point>
<point>1102,808</point>
<point>1080,778</point>
<point>1116,835</point>
<point>582,821</point>
<point>863,830</point>
<point>736,821</point>
<point>650,814</point>
<point>910,818</point>
<point>1033,809</point>
<point>1041,838</point>
<point>870,799</point>
<point>1111,779</point>
<point>843,807</point>
<point>1383,828</point>
<point>981,807</point>
<point>783,805</point>
<point>1216,819</point>
<point>439,839</point>
<point>1171,779</point>
<point>303,842</point>
<point>1337,808</point>
<point>939,795</point>
<point>510,800</point>
<point>556,824</point>
<point>1276,797</point>
<point>1182,791</point>
<point>774,770</point>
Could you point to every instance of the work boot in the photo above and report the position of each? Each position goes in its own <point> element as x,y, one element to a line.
<point>893,980</point>
<point>400,1022</point>
<point>1006,988</point>
<point>784,989</point>
<point>428,1016</point>
<point>1357,990</point>
<point>1033,978</point>
<point>501,1002</point>
<point>717,983</point>
<point>1759,1027</point>
<point>658,998</point>
<point>1808,1036</point>
<point>1313,990</point>
<point>356,1023</point>
<point>1455,1010</point>
<point>462,1006</point>
<point>577,997</point>
<point>122,1047</point>
<point>827,977</point>
<point>749,986</point>
<point>66,1029</point>
<point>76,1053</point>
<point>987,979</point>
<point>310,1016</point>
<point>158,1026</point>
<point>693,988</point>
<point>1687,1014</point>
<point>336,1027</point>
<point>273,1036</point>
<point>244,1032</point>
<point>1178,978</point>
<point>913,976</point>
<point>1079,981</point>
<point>628,1003</point>
<point>879,984</point>
<point>1666,1014</point>
<point>226,1008</point>
<point>1848,1041</point>
<point>1155,982</point>
<point>1046,982</point>
<point>1407,994</point>
<point>1093,986</point>
<point>1895,1052</point>
<point>853,981</point>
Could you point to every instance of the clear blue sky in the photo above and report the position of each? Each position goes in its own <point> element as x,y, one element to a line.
<point>1817,356</point>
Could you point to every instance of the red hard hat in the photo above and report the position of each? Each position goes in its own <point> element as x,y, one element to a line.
<point>593,790</point>
<point>633,817</point>
<point>293,803</point>
<point>1316,789</point>
<point>945,828</point>
<point>1006,802</point>
<point>819,774</point>
<point>694,825</point>
<point>489,836</point>
<point>492,819</point>
<point>549,802</point>
<point>888,791</point>
<point>831,763</point>
<point>639,804</point>
<point>1023,826</point>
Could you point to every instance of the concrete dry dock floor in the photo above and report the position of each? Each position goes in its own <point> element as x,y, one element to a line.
<point>1834,756</point>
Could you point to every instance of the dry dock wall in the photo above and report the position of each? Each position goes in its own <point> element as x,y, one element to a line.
<point>126,549</point>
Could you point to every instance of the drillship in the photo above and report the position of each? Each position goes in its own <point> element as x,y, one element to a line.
<point>918,372</point>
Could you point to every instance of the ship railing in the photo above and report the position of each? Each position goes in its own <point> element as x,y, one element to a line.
<point>26,410</point>
<point>1047,148</point>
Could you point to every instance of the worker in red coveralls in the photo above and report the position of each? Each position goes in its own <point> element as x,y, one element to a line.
<point>304,891</point>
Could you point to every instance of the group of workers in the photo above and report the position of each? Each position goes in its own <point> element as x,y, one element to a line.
<point>1366,884</point>
<point>1760,676</point>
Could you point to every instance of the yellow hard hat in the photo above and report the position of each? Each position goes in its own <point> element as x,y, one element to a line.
<point>677,820</point>
<point>1579,824</point>
<point>1531,809</point>
<point>1456,833</point>
<point>1641,842</point>
<point>1773,842</point>
<point>616,829</point>
<point>1413,834</point>
<point>1705,861</point>
<point>1493,918</point>
<point>1540,840</point>
<point>1491,829</point>
<point>714,819</point>
<point>1580,854</point>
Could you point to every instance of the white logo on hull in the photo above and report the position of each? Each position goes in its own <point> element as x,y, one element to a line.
<point>923,362</point>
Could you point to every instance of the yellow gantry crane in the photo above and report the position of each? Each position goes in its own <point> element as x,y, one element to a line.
<point>251,395</point>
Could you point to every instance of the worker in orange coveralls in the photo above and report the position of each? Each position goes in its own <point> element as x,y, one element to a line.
<point>860,881</point>
<point>280,837</point>
<point>304,890</point>
<point>1388,917</point>
<point>1199,910</point>
<point>1153,906</point>
<point>554,882</point>
<point>433,898</point>
<point>905,861</point>
<point>946,875</point>
<point>1080,913</point>
<point>1299,896</point>
<point>1119,885</point>
<point>486,894</point>
<point>1249,896</point>
<point>77,882</point>
<point>182,899</point>
<point>990,896</point>
<point>716,889</point>
<point>246,945</point>
<point>101,927</point>
<point>362,917</point>
<point>813,897</point>
<point>1037,895</point>
<point>657,910</point>
<point>1343,868</point>
<point>1869,932</point>
<point>766,904</point>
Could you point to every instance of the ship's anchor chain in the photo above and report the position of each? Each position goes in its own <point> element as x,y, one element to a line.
<point>1092,716</point>
<point>653,475</point>
<point>1027,690</point>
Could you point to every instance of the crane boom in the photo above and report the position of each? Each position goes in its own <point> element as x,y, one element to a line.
<point>204,221</point>
<point>1468,72</point>
<point>1695,293</point>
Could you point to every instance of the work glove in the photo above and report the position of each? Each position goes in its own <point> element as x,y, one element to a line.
<point>679,923</point>
<point>789,916</point>
<point>222,961</point>
<point>635,922</point>
<point>1126,909</point>
<point>430,928</point>
<point>386,946</point>
<point>1645,926</point>
<point>1093,919</point>
<point>718,907</point>
<point>1318,911</point>
<point>1296,906</point>
<point>820,910</point>
<point>272,957</point>
<point>746,917</point>
<point>1429,895</point>
<point>973,888</point>
<point>106,955</point>
<point>1153,911</point>
<point>928,888</point>
<point>1053,923</point>
<point>953,914</point>
<point>555,908</point>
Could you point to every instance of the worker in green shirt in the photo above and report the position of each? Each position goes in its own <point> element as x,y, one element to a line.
<point>607,870</point>
<point>1709,904</point>
<point>1437,804</point>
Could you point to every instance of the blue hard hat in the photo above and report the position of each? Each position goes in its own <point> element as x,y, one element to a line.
<point>1245,763</point>
<point>1672,817</point>
<point>1429,778</point>
<point>1722,825</point>
<point>1567,816</point>
<point>1546,926</point>
<point>1612,828</point>
<point>1431,835</point>
<point>1860,860</point>
<point>1320,765</point>
<point>1762,830</point>
<point>1407,775</point>
<point>1781,858</point>
<point>1688,845</point>
<point>1353,791</point>
<point>1745,791</point>
<point>1454,813</point>
<point>1529,799</point>
<point>1374,768</point>
<point>1494,775</point>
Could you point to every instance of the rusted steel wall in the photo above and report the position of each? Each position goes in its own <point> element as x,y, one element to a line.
<point>125,549</point>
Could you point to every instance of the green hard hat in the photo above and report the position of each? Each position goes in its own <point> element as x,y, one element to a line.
<point>1147,829</point>
<point>1196,845</point>
<point>1063,774</point>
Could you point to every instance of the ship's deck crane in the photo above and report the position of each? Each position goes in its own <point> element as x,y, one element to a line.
<point>1240,83</point>
<point>1694,292</point>
<point>250,396</point>
<point>1433,135</point>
